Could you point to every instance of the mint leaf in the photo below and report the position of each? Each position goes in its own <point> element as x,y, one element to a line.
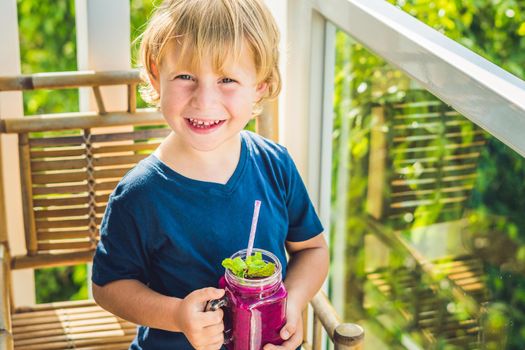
<point>237,266</point>
<point>253,267</point>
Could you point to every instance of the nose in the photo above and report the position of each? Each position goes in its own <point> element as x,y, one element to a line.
<point>205,96</point>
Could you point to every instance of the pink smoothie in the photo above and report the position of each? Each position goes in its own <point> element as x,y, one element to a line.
<point>256,311</point>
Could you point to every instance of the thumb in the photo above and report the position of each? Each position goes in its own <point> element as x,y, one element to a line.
<point>289,329</point>
<point>205,294</point>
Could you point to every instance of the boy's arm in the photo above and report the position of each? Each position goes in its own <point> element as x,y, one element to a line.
<point>306,272</point>
<point>135,302</point>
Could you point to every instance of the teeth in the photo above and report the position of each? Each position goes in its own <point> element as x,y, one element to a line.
<point>203,124</point>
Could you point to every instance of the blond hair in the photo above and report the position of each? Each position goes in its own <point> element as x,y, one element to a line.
<point>213,29</point>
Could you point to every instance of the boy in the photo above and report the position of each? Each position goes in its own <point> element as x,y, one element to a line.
<point>179,212</point>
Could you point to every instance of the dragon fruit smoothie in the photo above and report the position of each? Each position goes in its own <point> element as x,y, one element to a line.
<point>257,307</point>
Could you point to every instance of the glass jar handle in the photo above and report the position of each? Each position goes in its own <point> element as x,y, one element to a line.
<point>216,304</point>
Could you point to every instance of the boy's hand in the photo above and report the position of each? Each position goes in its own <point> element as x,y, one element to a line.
<point>204,330</point>
<point>292,331</point>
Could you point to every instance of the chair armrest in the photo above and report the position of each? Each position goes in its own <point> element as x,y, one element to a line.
<point>5,309</point>
<point>346,336</point>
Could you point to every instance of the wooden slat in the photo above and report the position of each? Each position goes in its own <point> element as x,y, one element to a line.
<point>470,156</point>
<point>80,120</point>
<point>49,260</point>
<point>417,203</point>
<point>70,234</point>
<point>430,125</point>
<point>68,164</point>
<point>80,176</point>
<point>451,179</point>
<point>56,141</point>
<point>68,200</point>
<point>64,245</point>
<point>45,214</point>
<point>425,115</point>
<point>104,186</point>
<point>131,136</point>
<point>54,306</point>
<point>118,160</point>
<point>135,147</point>
<point>83,312</point>
<point>448,146</point>
<point>65,80</point>
<point>71,340</point>
<point>59,330</point>
<point>418,193</point>
<point>69,189</point>
<point>100,321</point>
<point>418,104</point>
<point>41,224</point>
<point>54,152</point>
<point>58,177</point>
<point>475,134</point>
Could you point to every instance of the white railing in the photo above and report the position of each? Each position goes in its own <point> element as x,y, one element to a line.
<point>484,93</point>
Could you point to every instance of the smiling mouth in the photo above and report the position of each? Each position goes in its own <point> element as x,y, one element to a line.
<point>204,124</point>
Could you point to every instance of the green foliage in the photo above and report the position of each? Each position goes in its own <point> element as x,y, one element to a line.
<point>47,44</point>
<point>61,283</point>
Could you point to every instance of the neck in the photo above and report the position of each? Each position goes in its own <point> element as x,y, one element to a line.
<point>215,166</point>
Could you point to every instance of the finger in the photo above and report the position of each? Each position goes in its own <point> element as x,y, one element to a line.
<point>213,330</point>
<point>210,318</point>
<point>205,294</point>
<point>289,329</point>
<point>216,342</point>
<point>293,343</point>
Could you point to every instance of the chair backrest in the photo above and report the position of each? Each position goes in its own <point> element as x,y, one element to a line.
<point>70,163</point>
<point>423,160</point>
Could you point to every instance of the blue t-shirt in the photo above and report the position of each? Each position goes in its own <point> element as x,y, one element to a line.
<point>171,232</point>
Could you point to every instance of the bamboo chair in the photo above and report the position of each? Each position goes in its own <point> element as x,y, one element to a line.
<point>69,164</point>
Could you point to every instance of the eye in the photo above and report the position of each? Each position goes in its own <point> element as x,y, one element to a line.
<point>227,81</point>
<point>184,77</point>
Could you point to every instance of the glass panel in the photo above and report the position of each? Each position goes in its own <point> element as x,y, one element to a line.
<point>427,230</point>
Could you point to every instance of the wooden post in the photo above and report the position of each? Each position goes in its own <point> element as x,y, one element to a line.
<point>11,107</point>
<point>5,309</point>
<point>377,164</point>
<point>349,336</point>
<point>6,341</point>
<point>27,195</point>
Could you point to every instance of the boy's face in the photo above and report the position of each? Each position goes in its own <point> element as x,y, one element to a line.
<point>204,108</point>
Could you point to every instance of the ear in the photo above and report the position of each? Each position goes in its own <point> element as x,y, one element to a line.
<point>154,77</point>
<point>260,90</point>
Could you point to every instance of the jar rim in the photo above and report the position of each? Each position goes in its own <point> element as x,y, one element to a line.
<point>260,282</point>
